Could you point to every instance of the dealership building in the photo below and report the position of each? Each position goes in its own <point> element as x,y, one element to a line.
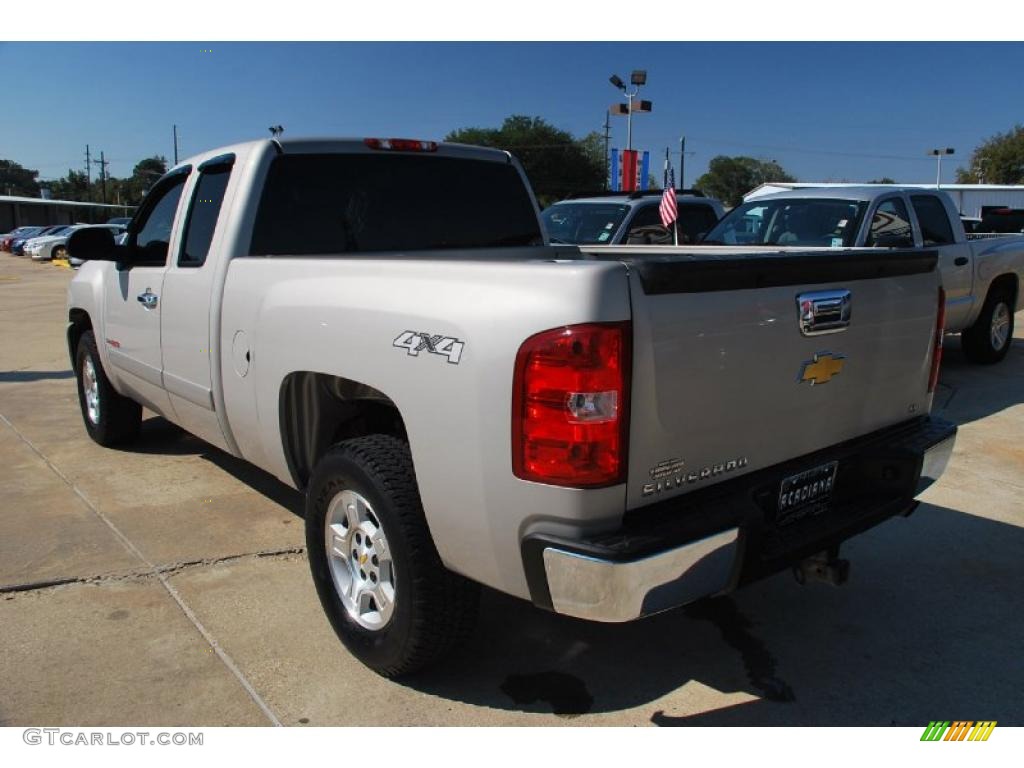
<point>27,211</point>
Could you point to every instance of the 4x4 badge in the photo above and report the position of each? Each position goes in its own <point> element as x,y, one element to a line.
<point>414,342</point>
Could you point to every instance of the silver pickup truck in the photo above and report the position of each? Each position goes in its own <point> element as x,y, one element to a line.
<point>606,433</point>
<point>981,278</point>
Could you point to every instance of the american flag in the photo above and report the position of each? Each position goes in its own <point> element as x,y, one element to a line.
<point>669,210</point>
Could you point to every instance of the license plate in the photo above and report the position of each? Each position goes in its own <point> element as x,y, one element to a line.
<point>806,493</point>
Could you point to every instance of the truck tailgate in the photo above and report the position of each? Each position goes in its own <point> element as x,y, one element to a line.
<point>725,381</point>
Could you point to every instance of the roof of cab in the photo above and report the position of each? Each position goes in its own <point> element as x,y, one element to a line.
<point>332,144</point>
<point>866,193</point>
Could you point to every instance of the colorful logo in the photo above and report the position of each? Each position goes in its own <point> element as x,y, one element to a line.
<point>822,368</point>
<point>960,730</point>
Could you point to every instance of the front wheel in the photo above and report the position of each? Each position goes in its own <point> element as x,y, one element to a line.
<point>989,339</point>
<point>109,418</point>
<point>60,252</point>
<point>376,570</point>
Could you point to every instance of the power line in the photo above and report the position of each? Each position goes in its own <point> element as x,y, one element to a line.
<point>803,150</point>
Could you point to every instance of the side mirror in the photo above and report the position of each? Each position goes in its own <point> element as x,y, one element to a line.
<point>892,241</point>
<point>93,244</point>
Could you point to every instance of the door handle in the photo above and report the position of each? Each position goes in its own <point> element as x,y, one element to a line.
<point>960,261</point>
<point>148,300</point>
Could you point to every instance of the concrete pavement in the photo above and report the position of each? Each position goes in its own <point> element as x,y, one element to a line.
<point>167,584</point>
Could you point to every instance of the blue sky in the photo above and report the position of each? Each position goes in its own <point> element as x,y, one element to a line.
<point>824,111</point>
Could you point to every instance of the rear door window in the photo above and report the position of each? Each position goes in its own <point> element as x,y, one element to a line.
<point>933,220</point>
<point>202,218</point>
<point>890,226</point>
<point>375,202</point>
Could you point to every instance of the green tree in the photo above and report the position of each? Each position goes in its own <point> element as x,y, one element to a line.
<point>16,180</point>
<point>74,186</point>
<point>883,180</point>
<point>729,178</point>
<point>556,163</point>
<point>145,173</point>
<point>997,160</point>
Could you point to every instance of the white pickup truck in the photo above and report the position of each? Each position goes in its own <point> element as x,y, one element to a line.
<point>606,433</point>
<point>982,278</point>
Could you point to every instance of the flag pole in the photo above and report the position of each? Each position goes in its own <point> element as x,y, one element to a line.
<point>675,224</point>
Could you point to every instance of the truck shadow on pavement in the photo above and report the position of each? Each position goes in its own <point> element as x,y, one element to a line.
<point>161,437</point>
<point>968,392</point>
<point>928,627</point>
<point>25,377</point>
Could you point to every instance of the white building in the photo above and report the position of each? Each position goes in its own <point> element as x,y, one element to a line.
<point>971,199</point>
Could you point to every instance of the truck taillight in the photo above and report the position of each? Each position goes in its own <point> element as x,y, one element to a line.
<point>402,145</point>
<point>940,328</point>
<point>570,406</point>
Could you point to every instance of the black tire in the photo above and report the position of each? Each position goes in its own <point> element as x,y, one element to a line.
<point>977,342</point>
<point>119,417</point>
<point>434,609</point>
<point>60,252</point>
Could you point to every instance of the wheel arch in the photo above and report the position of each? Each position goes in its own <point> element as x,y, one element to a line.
<point>318,410</point>
<point>1006,281</point>
<point>78,323</point>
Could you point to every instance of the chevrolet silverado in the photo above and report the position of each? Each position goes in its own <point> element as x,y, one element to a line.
<point>607,433</point>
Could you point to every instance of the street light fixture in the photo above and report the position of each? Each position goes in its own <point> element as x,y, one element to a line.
<point>637,78</point>
<point>939,153</point>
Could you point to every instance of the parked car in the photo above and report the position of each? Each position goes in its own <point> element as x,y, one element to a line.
<point>18,245</point>
<point>1002,220</point>
<point>121,221</point>
<point>608,432</point>
<point>117,230</point>
<point>51,246</point>
<point>630,218</point>
<point>982,278</point>
<point>6,241</point>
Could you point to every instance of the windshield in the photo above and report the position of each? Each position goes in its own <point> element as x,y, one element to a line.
<point>790,221</point>
<point>583,223</point>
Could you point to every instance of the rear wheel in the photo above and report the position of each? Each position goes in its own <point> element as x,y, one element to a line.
<point>109,418</point>
<point>376,570</point>
<point>989,339</point>
<point>60,252</point>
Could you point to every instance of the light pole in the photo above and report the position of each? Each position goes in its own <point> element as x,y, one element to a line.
<point>636,79</point>
<point>938,153</point>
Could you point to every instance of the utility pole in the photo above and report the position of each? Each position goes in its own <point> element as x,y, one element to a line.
<point>682,162</point>
<point>103,163</point>
<point>175,144</point>
<point>607,139</point>
<point>88,175</point>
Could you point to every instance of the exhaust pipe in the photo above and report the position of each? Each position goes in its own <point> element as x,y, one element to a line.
<point>825,566</point>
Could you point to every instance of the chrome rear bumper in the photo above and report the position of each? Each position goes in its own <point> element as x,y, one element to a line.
<point>677,551</point>
<point>603,590</point>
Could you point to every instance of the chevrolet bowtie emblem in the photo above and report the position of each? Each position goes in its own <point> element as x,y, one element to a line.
<point>822,368</point>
